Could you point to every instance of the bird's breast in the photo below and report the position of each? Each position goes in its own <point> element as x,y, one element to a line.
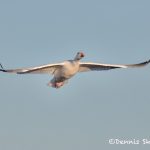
<point>68,70</point>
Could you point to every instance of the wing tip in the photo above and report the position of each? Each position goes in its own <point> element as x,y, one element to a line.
<point>2,69</point>
<point>141,64</point>
<point>1,66</point>
<point>146,62</point>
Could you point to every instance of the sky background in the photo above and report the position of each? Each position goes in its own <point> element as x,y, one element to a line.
<point>93,107</point>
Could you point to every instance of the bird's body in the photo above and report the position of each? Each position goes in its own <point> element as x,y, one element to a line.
<point>65,73</point>
<point>62,72</point>
<point>69,69</point>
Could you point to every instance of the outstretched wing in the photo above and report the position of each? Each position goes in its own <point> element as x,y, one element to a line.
<point>45,69</point>
<point>98,67</point>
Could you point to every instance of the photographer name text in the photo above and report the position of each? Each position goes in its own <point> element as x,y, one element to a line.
<point>129,142</point>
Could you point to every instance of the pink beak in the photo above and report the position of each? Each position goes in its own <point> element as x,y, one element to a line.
<point>82,55</point>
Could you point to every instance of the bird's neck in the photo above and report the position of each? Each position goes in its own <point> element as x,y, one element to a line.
<point>76,59</point>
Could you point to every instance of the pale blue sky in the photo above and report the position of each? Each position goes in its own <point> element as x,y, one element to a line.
<point>92,107</point>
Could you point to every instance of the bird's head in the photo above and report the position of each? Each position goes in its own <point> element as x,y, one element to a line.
<point>79,56</point>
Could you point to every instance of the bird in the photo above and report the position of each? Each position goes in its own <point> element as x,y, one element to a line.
<point>63,71</point>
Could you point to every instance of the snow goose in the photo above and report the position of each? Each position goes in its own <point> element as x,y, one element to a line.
<point>67,69</point>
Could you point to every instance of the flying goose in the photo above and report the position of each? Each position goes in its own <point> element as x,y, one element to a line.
<point>62,72</point>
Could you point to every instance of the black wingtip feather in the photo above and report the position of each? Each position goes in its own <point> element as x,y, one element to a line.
<point>3,70</point>
<point>146,62</point>
<point>1,66</point>
<point>140,64</point>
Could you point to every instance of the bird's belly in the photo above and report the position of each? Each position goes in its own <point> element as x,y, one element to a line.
<point>67,72</point>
